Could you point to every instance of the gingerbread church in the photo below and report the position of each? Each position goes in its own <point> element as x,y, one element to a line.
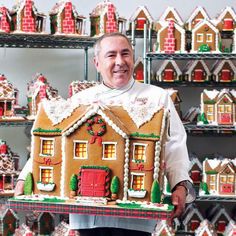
<point>96,151</point>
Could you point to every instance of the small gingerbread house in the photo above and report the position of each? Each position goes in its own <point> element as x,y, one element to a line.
<point>64,19</point>
<point>169,71</point>
<point>198,14</point>
<point>140,17</point>
<point>191,219</point>
<point>138,70</point>
<point>174,94</point>
<point>171,14</point>
<point>8,168</point>
<point>219,175</point>
<point>195,169</point>
<point>9,221</point>
<point>163,228</point>
<point>230,229</point>
<point>5,20</point>
<point>105,19</point>
<point>218,107</point>
<point>26,18</point>
<point>77,86</point>
<point>171,37</point>
<point>205,229</point>
<point>197,71</point>
<point>205,37</point>
<point>63,229</point>
<point>24,230</point>
<point>39,89</point>
<point>98,145</point>
<point>8,99</point>
<point>224,71</point>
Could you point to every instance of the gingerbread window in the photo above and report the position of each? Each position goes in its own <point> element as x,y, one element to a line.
<point>137,181</point>
<point>209,38</point>
<point>199,38</point>
<point>47,147</point>
<point>139,152</point>
<point>212,182</point>
<point>109,151</point>
<point>46,175</point>
<point>209,113</point>
<point>80,150</point>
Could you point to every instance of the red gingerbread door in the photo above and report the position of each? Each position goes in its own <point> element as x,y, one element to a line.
<point>227,188</point>
<point>141,21</point>
<point>198,75</point>
<point>221,226</point>
<point>194,225</point>
<point>225,75</point>
<point>168,75</point>
<point>139,75</point>
<point>1,111</point>
<point>93,182</point>
<point>195,176</point>
<point>228,24</point>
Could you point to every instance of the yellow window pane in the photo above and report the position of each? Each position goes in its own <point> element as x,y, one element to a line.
<point>81,150</point>
<point>109,151</point>
<point>47,147</point>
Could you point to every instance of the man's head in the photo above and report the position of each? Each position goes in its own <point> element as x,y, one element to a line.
<point>114,59</point>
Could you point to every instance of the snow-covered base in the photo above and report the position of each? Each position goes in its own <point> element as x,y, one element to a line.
<point>91,200</point>
<point>38,197</point>
<point>30,117</point>
<point>137,193</point>
<point>46,187</point>
<point>11,118</point>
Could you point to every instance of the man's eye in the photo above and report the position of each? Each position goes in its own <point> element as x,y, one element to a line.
<point>110,55</point>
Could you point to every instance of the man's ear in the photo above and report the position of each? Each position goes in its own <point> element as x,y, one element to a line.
<point>96,63</point>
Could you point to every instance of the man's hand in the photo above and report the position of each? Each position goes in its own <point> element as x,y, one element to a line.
<point>19,189</point>
<point>178,200</point>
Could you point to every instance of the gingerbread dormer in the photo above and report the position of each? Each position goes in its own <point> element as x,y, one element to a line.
<point>226,21</point>
<point>104,19</point>
<point>197,71</point>
<point>26,18</point>
<point>140,17</point>
<point>64,19</point>
<point>5,20</point>
<point>174,94</point>
<point>195,169</point>
<point>198,14</point>
<point>39,89</point>
<point>230,229</point>
<point>77,86</point>
<point>219,177</point>
<point>205,37</point>
<point>169,71</point>
<point>224,71</point>
<point>138,70</point>
<point>192,218</point>
<point>170,37</point>
<point>205,229</point>
<point>218,107</point>
<point>171,14</point>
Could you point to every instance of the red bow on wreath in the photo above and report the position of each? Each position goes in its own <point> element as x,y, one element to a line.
<point>93,139</point>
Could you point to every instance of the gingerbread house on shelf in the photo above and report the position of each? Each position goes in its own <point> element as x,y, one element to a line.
<point>197,71</point>
<point>163,228</point>
<point>198,14</point>
<point>9,221</point>
<point>5,20</point>
<point>174,94</point>
<point>64,19</point>
<point>95,142</point>
<point>105,19</point>
<point>195,169</point>
<point>234,49</point>
<point>140,17</point>
<point>230,229</point>
<point>219,176</point>
<point>218,107</point>
<point>171,14</point>
<point>26,18</point>
<point>24,230</point>
<point>39,89</point>
<point>205,37</point>
<point>205,229</point>
<point>77,86</point>
<point>192,218</point>
<point>169,71</point>
<point>138,70</point>
<point>224,71</point>
<point>64,229</point>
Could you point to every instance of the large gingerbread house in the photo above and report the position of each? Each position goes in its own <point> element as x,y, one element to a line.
<point>218,107</point>
<point>77,86</point>
<point>105,19</point>
<point>219,175</point>
<point>39,89</point>
<point>64,19</point>
<point>97,147</point>
<point>224,71</point>
<point>5,20</point>
<point>26,18</point>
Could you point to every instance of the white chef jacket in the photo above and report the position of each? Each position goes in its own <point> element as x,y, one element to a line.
<point>176,154</point>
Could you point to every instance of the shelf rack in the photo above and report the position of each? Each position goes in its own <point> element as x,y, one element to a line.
<point>45,41</point>
<point>25,123</point>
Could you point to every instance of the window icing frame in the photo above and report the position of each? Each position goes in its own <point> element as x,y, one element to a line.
<point>74,146</point>
<point>145,149</point>
<point>103,151</point>
<point>41,147</point>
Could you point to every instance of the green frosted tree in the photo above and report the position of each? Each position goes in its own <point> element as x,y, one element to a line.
<point>74,182</point>
<point>155,192</point>
<point>204,187</point>
<point>115,184</point>
<point>28,185</point>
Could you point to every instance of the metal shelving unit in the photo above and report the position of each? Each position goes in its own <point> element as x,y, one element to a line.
<point>24,123</point>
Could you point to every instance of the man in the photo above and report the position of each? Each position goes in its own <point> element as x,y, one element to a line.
<point>114,60</point>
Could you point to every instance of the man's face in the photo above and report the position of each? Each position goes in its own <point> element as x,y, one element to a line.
<point>115,61</point>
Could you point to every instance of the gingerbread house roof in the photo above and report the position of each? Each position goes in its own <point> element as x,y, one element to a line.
<point>174,15</point>
<point>138,61</point>
<point>218,213</point>
<point>64,229</point>
<point>205,228</point>
<point>165,63</point>
<point>162,227</point>
<point>102,8</point>
<point>146,12</point>
<point>223,13</point>
<point>230,229</point>
<point>190,212</point>
<point>195,12</point>
<point>218,66</point>
<point>7,91</point>
<point>77,86</point>
<point>174,94</point>
<point>4,210</point>
<point>59,7</point>
<point>3,10</point>
<point>194,160</point>
<point>207,22</point>
<point>191,65</point>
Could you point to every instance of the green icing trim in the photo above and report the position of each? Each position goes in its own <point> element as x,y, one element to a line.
<point>137,134</point>
<point>212,172</point>
<point>96,167</point>
<point>40,130</point>
<point>138,206</point>
<point>209,102</point>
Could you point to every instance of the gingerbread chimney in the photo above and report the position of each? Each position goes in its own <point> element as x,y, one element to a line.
<point>111,25</point>
<point>4,20</point>
<point>28,24</point>
<point>68,23</point>
<point>169,44</point>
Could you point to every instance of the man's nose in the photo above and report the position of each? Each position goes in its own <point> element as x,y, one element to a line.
<point>119,59</point>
